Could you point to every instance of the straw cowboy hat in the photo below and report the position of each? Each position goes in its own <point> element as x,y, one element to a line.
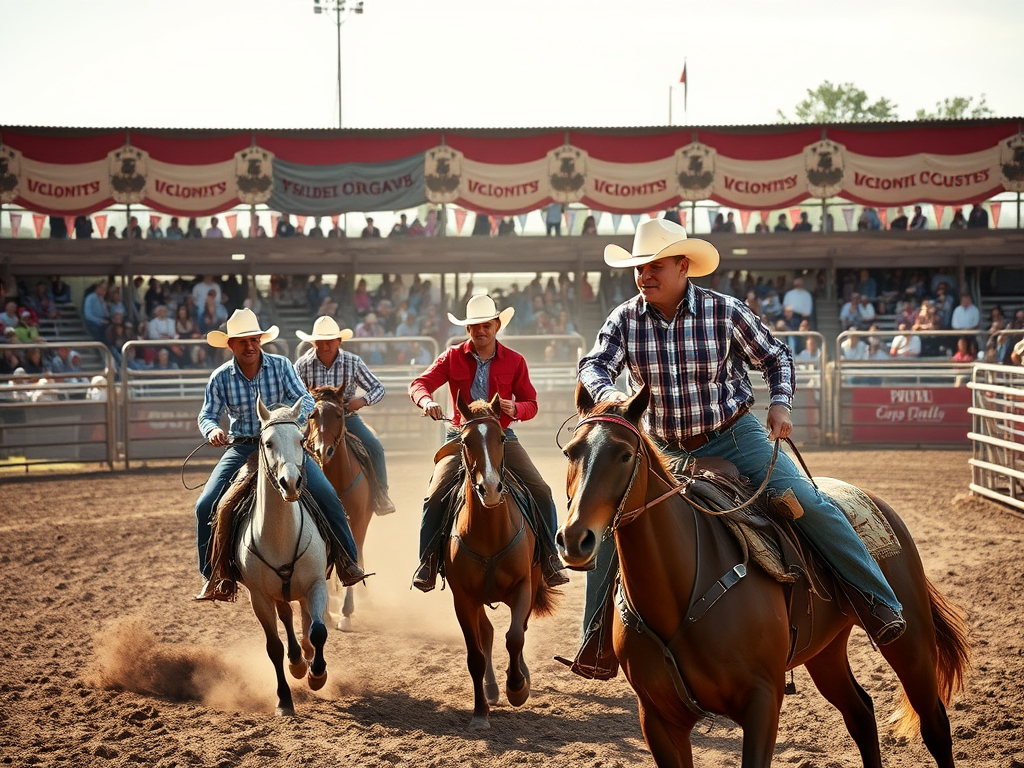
<point>242,323</point>
<point>480,309</point>
<point>324,329</point>
<point>658,239</point>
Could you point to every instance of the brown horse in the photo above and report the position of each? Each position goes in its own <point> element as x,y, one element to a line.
<point>491,558</point>
<point>685,664</point>
<point>327,442</point>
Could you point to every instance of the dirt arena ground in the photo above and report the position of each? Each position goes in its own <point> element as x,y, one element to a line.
<point>107,662</point>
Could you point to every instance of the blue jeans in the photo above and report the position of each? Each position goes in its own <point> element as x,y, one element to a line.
<point>357,427</point>
<point>823,524</point>
<point>234,458</point>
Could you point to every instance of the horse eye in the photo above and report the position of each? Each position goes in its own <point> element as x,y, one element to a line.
<point>627,457</point>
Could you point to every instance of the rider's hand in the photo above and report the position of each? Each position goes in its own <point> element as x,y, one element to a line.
<point>508,407</point>
<point>780,422</point>
<point>217,438</point>
<point>433,410</point>
<point>355,404</point>
<point>617,397</point>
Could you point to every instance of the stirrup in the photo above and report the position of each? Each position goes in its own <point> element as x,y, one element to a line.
<point>425,578</point>
<point>220,590</point>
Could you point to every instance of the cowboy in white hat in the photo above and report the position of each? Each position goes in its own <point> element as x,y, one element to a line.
<point>692,346</point>
<point>479,369</point>
<point>328,365</point>
<point>234,387</point>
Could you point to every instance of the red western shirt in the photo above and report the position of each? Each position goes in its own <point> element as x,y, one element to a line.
<point>508,377</point>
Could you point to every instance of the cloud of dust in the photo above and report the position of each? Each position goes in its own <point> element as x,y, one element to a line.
<point>129,657</point>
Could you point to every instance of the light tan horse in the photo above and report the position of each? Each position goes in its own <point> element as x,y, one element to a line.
<point>327,442</point>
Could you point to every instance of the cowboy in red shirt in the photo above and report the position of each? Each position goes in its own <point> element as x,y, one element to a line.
<point>478,370</point>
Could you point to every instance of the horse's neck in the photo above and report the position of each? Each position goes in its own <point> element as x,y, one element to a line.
<point>343,468</point>
<point>488,530</point>
<point>657,557</point>
<point>275,522</point>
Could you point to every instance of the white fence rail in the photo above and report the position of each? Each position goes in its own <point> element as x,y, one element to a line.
<point>997,434</point>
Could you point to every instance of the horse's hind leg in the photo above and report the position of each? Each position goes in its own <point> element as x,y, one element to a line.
<point>296,663</point>
<point>831,673</point>
<point>916,671</point>
<point>347,609</point>
<point>314,608</point>
<point>264,610</point>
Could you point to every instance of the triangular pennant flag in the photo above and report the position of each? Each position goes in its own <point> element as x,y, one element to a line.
<point>995,208</point>
<point>682,218</point>
<point>598,215</point>
<point>300,224</point>
<point>653,214</point>
<point>794,217</point>
<point>940,210</point>
<point>848,218</point>
<point>460,220</point>
<point>495,223</point>
<point>744,220</point>
<point>765,216</point>
<point>571,220</point>
<point>712,215</point>
<point>15,224</point>
<point>616,220</point>
<point>883,215</point>
<point>38,220</point>
<point>231,220</point>
<point>69,223</point>
<point>273,223</point>
<point>522,221</point>
<point>635,218</point>
<point>101,224</point>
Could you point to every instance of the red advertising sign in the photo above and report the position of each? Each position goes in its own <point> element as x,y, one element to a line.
<point>908,415</point>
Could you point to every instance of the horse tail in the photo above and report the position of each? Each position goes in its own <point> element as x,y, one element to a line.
<point>954,659</point>
<point>545,600</point>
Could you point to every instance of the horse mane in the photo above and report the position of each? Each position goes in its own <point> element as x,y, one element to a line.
<point>480,409</point>
<point>327,395</point>
<point>658,461</point>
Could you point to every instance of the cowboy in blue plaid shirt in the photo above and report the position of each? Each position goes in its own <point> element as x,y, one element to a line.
<point>234,387</point>
<point>692,346</point>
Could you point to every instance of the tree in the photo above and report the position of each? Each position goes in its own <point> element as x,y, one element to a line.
<point>844,103</point>
<point>956,108</point>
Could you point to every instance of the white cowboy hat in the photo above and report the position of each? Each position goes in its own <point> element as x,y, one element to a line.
<point>324,329</point>
<point>242,323</point>
<point>660,238</point>
<point>480,309</point>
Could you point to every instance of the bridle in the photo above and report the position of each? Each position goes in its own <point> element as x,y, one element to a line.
<point>265,462</point>
<point>501,472</point>
<point>624,517</point>
<point>336,438</point>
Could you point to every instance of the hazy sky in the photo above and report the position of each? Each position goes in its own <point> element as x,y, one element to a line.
<point>465,63</point>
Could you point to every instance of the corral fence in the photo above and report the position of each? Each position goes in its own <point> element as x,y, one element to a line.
<point>997,433</point>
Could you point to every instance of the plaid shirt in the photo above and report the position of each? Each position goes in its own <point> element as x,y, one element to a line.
<point>694,364</point>
<point>348,371</point>
<point>275,382</point>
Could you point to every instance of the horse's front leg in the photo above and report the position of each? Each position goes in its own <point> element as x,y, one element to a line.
<point>265,614</point>
<point>669,742</point>
<point>314,608</point>
<point>296,663</point>
<point>517,678</point>
<point>760,723</point>
<point>471,617</point>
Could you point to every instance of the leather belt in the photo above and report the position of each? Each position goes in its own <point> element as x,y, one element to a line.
<point>244,440</point>
<point>691,444</point>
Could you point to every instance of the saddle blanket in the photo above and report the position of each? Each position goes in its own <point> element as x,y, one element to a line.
<point>866,518</point>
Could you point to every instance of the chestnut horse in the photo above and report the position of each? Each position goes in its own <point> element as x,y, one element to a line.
<point>733,661</point>
<point>490,558</point>
<point>327,442</point>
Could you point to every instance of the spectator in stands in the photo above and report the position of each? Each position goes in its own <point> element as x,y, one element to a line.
<point>256,229</point>
<point>369,328</point>
<point>966,350</point>
<point>672,214</point>
<point>193,230</point>
<point>900,222</point>
<point>828,223</point>
<point>481,226</point>
<point>920,221</point>
<point>163,361</point>
<point>186,327</point>
<point>174,230</point>
<point>800,299</point>
<point>336,231</point>
<point>849,316</point>
<point>66,365</point>
<point>942,275</point>
<point>153,231</point>
<point>214,230</point>
<point>111,232</point>
<point>401,227</point>
<point>958,222</point>
<point>133,231</point>
<point>58,228</point>
<point>60,291</point>
<point>285,228</point>
<point>161,326</point>
<point>869,220</point>
<point>719,224</point>
<point>589,226</point>
<point>418,355</point>
<point>875,349</point>
<point>905,346</point>
<point>369,230</point>
<point>33,364</point>
<point>83,228</point>
<point>809,358</point>
<point>804,225</point>
<point>316,230</point>
<point>118,334</point>
<point>25,331</point>
<point>9,317</point>
<point>1017,354</point>
<point>553,219</point>
<point>754,303</point>
<point>978,218</point>
<point>865,313</point>
<point>782,224</point>
<point>114,302</point>
<point>155,294</point>
<point>361,298</point>
<point>928,320</point>
<point>761,228</point>
<point>943,305</point>
<point>919,285</point>
<point>202,289</point>
<point>95,313</point>
<point>853,348</point>
<point>966,317</point>
<point>771,307</point>
<point>213,314</point>
<point>867,286</point>
<point>730,223</point>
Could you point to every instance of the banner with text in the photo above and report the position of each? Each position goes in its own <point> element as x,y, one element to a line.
<point>191,190</point>
<point>323,190</point>
<point>504,189</point>
<point>62,190</point>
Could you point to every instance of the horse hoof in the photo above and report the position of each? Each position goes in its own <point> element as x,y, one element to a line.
<point>518,698</point>
<point>345,624</point>
<point>284,712</point>
<point>491,693</point>
<point>315,682</point>
<point>298,669</point>
<point>479,724</point>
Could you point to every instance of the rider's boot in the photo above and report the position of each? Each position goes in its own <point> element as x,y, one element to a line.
<point>349,572</point>
<point>554,572</point>
<point>882,623</point>
<point>425,578</point>
<point>222,590</point>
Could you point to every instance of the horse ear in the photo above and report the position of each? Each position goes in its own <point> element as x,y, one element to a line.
<point>296,409</point>
<point>463,408</point>
<point>261,409</point>
<point>496,405</point>
<point>584,402</point>
<point>637,404</point>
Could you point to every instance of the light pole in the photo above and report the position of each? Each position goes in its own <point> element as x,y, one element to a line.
<point>340,8</point>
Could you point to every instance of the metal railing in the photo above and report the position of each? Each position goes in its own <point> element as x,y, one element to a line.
<point>997,433</point>
<point>57,418</point>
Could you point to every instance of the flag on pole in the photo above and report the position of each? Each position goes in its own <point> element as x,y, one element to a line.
<point>685,84</point>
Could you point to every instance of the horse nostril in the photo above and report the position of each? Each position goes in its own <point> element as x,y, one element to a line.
<point>588,542</point>
<point>560,540</point>
<point>500,488</point>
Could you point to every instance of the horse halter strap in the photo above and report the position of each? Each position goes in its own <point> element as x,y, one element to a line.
<point>266,463</point>
<point>336,438</point>
<point>501,469</point>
